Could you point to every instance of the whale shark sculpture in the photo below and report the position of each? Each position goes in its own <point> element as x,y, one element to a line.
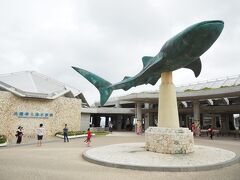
<point>181,51</point>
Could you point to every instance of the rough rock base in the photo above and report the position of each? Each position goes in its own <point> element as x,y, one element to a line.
<point>169,140</point>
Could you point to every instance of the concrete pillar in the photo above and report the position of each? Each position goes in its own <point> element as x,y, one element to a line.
<point>139,112</point>
<point>196,110</point>
<point>213,122</point>
<point>138,125</point>
<point>231,121</point>
<point>119,122</point>
<point>85,121</point>
<point>167,105</point>
<point>96,121</point>
<point>225,124</point>
<point>107,121</point>
<point>151,120</point>
<point>181,122</point>
<point>118,105</point>
<point>196,115</point>
<point>127,122</point>
<point>147,116</point>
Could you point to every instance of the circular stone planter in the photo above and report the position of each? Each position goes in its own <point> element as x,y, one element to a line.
<point>169,140</point>
<point>134,156</point>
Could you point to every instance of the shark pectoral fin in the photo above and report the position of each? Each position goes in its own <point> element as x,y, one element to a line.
<point>154,79</point>
<point>196,67</point>
<point>145,60</point>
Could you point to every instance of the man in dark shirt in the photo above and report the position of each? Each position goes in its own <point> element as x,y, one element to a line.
<point>65,133</point>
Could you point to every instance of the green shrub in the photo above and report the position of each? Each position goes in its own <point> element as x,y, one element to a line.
<point>3,139</point>
<point>224,86</point>
<point>188,90</point>
<point>206,88</point>
<point>100,133</point>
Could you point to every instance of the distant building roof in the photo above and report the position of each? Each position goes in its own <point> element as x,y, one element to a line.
<point>211,84</point>
<point>35,85</point>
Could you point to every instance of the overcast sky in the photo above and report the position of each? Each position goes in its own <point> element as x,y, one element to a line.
<point>110,37</point>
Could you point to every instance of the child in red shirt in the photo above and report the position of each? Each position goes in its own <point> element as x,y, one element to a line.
<point>210,131</point>
<point>89,135</point>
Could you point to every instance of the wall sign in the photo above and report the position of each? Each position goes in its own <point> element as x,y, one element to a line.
<point>45,115</point>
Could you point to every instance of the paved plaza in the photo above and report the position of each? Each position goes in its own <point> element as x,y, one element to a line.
<point>59,160</point>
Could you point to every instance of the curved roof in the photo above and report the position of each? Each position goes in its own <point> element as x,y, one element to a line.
<point>211,84</point>
<point>35,85</point>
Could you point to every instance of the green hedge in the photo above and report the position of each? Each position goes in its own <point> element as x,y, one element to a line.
<point>74,133</point>
<point>208,88</point>
<point>3,139</point>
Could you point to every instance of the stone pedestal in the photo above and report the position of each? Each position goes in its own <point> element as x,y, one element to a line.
<point>168,137</point>
<point>169,140</point>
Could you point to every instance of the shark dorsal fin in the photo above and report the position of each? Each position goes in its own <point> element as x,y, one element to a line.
<point>195,66</point>
<point>145,60</point>
<point>126,77</point>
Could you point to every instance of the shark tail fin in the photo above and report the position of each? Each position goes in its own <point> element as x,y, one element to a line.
<point>105,93</point>
<point>103,86</point>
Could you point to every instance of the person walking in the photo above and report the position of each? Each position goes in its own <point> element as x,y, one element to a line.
<point>65,133</point>
<point>210,131</point>
<point>110,127</point>
<point>19,134</point>
<point>193,128</point>
<point>89,135</point>
<point>139,127</point>
<point>40,133</point>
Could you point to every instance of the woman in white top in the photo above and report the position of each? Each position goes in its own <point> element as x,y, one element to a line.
<point>40,133</point>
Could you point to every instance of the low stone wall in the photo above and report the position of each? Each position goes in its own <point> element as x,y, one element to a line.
<point>169,140</point>
<point>30,112</point>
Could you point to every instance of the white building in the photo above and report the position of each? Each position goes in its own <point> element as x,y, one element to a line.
<point>29,98</point>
